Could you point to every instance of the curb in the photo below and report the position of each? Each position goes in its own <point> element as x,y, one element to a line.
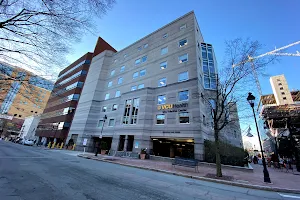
<point>258,187</point>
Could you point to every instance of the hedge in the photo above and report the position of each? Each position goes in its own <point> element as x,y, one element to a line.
<point>230,155</point>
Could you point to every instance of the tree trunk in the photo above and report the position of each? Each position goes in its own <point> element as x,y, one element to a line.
<point>218,157</point>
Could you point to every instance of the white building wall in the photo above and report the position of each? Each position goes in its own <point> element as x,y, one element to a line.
<point>29,127</point>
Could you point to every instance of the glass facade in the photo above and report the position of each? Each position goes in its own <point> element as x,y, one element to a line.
<point>208,64</point>
<point>73,68</point>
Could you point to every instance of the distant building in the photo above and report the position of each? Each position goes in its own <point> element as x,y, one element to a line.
<point>276,110</point>
<point>29,127</point>
<point>22,93</point>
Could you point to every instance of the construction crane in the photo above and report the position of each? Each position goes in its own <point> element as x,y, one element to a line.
<point>275,53</point>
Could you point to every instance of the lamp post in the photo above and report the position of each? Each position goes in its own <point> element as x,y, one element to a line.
<point>251,99</point>
<point>104,118</point>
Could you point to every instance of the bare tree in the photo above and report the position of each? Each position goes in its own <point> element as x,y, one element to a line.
<point>38,33</point>
<point>233,85</point>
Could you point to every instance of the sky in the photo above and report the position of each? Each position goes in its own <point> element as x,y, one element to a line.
<point>274,23</point>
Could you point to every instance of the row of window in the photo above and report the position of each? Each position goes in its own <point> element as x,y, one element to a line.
<point>75,67</point>
<point>182,96</point>
<point>163,51</point>
<point>82,72</point>
<point>78,84</point>
<point>165,35</point>
<point>63,111</point>
<point>183,76</point>
<point>54,126</point>
<point>183,118</point>
<point>71,97</point>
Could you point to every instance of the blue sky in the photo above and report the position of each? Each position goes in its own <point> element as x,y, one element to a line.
<point>274,23</point>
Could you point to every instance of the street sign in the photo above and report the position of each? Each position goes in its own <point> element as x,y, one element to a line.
<point>84,142</point>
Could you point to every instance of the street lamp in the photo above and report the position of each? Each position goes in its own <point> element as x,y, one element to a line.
<point>251,99</point>
<point>104,118</point>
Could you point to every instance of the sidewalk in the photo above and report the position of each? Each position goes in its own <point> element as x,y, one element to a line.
<point>281,181</point>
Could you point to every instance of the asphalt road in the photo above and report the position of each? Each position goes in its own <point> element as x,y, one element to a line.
<point>32,173</point>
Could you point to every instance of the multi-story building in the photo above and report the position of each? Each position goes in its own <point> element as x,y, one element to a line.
<point>23,93</point>
<point>58,115</point>
<point>148,95</point>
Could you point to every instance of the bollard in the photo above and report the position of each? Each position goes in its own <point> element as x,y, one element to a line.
<point>49,145</point>
<point>53,145</point>
<point>57,146</point>
<point>61,145</point>
<point>74,145</point>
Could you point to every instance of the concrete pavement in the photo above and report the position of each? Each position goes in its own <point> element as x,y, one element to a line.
<point>34,174</point>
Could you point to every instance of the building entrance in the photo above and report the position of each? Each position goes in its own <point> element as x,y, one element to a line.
<point>173,147</point>
<point>97,141</point>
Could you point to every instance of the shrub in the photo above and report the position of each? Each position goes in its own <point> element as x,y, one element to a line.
<point>230,155</point>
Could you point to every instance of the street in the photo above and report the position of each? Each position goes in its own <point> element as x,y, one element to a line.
<point>32,173</point>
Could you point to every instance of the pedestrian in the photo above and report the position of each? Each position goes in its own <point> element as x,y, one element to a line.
<point>97,148</point>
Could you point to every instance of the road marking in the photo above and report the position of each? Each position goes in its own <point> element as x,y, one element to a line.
<point>289,196</point>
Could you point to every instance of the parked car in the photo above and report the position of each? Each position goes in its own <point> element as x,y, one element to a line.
<point>28,142</point>
<point>19,141</point>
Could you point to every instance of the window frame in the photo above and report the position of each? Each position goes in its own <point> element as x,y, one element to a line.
<point>159,81</point>
<point>161,50</point>
<point>187,72</point>
<point>165,35</point>
<point>117,92</point>
<point>122,69</point>
<point>182,27</point>
<point>112,72</point>
<point>138,87</point>
<point>166,64</point>
<point>143,70</point>
<point>180,60</point>
<point>134,77</point>
<point>137,61</point>
<point>188,96</point>
<point>120,82</point>
<point>133,87</point>
<point>109,84</point>
<point>111,119</point>
<point>185,44</point>
<point>165,99</point>
<point>104,109</point>
<point>189,116</point>
<point>164,119</point>
<point>107,96</point>
<point>114,109</point>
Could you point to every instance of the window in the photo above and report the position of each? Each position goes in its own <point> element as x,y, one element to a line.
<point>281,88</point>
<point>135,110</point>
<point>184,117</point>
<point>139,48</point>
<point>100,123</point>
<point>161,99</point>
<point>112,72</point>
<point>106,96</point>
<point>284,98</point>
<point>160,119</point>
<point>283,93</point>
<point>183,95</point>
<point>133,88</point>
<point>15,115</point>
<point>118,93</point>
<point>212,103</point>
<point>145,46</point>
<point>104,108</point>
<point>183,42</point>
<point>138,61</point>
<point>144,59</point>
<point>109,84</point>
<point>143,72</point>
<point>125,55</point>
<point>164,51</point>
<point>135,75</point>
<point>182,27</point>
<point>279,83</point>
<point>111,122</point>
<point>122,69</point>
<point>206,82</point>
<point>127,111</point>
<point>162,82</point>
<point>114,107</point>
<point>183,76</point>
<point>165,35</point>
<point>183,58</point>
<point>141,86</point>
<point>120,80</point>
<point>163,65</point>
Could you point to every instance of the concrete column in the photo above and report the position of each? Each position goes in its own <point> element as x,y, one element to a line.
<point>125,143</point>
<point>199,149</point>
<point>115,142</point>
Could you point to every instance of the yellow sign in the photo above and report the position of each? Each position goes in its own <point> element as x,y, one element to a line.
<point>164,107</point>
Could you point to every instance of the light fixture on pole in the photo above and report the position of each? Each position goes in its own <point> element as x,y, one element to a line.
<point>251,100</point>
<point>104,118</point>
